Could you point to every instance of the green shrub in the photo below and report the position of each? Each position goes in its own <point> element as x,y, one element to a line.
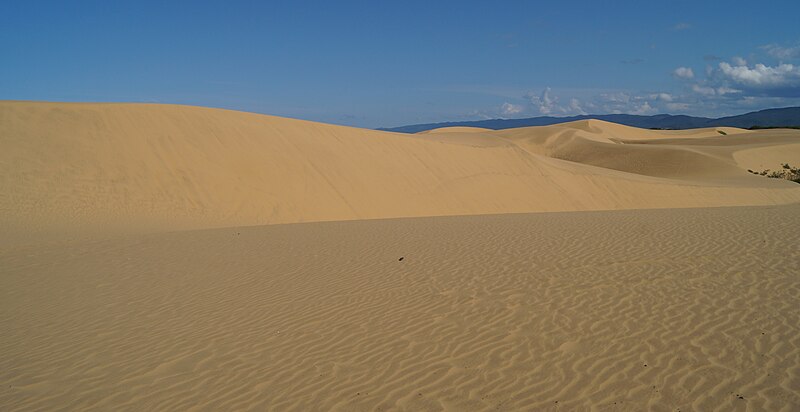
<point>772,127</point>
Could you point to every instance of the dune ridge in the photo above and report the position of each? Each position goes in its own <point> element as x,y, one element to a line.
<point>130,167</point>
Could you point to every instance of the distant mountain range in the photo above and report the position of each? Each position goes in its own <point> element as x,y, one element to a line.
<point>783,117</point>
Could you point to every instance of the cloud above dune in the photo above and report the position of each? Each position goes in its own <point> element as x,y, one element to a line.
<point>761,75</point>
<point>664,97</point>
<point>737,77</point>
<point>548,103</point>
<point>510,109</point>
<point>545,103</point>
<point>643,108</point>
<point>738,61</point>
<point>782,52</point>
<point>684,72</point>
<point>576,106</point>
<point>727,86</point>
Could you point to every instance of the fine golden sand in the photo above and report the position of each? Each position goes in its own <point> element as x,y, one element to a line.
<point>72,168</point>
<point>157,257</point>
<point>683,309</point>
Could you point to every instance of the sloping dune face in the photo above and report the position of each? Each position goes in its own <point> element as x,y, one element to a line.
<point>144,167</point>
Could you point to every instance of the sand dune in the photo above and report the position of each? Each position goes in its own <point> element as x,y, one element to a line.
<point>78,167</point>
<point>456,129</point>
<point>691,310</point>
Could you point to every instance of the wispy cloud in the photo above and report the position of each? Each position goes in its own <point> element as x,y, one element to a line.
<point>681,26</point>
<point>782,52</point>
<point>576,107</point>
<point>738,61</point>
<point>545,103</point>
<point>632,61</point>
<point>510,109</point>
<point>684,72</point>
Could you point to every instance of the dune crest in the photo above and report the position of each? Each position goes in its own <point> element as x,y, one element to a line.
<point>161,167</point>
<point>456,129</point>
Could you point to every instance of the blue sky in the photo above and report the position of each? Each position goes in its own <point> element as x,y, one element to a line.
<point>376,63</point>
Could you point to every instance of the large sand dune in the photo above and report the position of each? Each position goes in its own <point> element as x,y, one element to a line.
<point>155,167</point>
<point>689,307</point>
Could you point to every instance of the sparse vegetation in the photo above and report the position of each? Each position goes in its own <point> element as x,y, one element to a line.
<point>772,127</point>
<point>722,132</point>
<point>786,172</point>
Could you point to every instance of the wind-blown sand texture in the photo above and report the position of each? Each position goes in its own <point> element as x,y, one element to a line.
<point>134,274</point>
<point>684,309</point>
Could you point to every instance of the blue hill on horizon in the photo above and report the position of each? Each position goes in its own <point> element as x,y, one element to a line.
<point>779,117</point>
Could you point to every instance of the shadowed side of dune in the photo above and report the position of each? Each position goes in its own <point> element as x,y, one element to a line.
<point>707,155</point>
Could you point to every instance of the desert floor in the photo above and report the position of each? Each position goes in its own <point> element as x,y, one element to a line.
<point>157,257</point>
<point>682,309</point>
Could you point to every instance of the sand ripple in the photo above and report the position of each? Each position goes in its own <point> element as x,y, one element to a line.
<point>694,309</point>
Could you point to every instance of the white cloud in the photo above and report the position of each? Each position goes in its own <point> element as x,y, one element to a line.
<point>722,90</point>
<point>713,91</point>
<point>678,106</point>
<point>476,115</point>
<point>643,108</point>
<point>633,103</point>
<point>544,103</point>
<point>704,90</point>
<point>617,97</point>
<point>761,76</point>
<point>782,53</point>
<point>664,97</point>
<point>575,106</point>
<point>738,61</point>
<point>681,26</point>
<point>509,109</point>
<point>684,72</point>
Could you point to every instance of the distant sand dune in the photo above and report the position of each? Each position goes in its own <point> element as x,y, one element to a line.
<point>108,167</point>
<point>456,129</point>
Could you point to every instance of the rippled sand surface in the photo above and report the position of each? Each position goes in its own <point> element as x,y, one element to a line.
<point>682,309</point>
